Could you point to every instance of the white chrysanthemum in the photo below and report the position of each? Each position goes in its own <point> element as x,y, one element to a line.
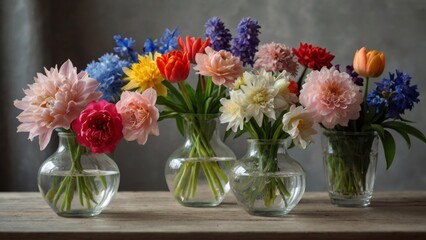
<point>233,110</point>
<point>284,98</point>
<point>298,124</point>
<point>259,94</point>
<point>239,82</point>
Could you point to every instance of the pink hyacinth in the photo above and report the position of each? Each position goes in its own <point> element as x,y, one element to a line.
<point>54,101</point>
<point>140,116</point>
<point>222,66</point>
<point>275,57</point>
<point>331,96</point>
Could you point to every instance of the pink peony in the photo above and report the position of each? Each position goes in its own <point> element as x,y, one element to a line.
<point>54,101</point>
<point>222,66</point>
<point>140,116</point>
<point>99,127</point>
<point>275,57</point>
<point>331,96</point>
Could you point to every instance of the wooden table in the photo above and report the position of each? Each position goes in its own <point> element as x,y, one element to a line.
<point>155,215</point>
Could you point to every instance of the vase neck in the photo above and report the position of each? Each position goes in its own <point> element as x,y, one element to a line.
<point>259,146</point>
<point>200,125</point>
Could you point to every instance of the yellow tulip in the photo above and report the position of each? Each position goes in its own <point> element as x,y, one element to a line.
<point>369,63</point>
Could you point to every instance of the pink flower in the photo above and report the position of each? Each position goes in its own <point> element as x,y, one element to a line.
<point>331,96</point>
<point>99,127</point>
<point>275,57</point>
<point>54,101</point>
<point>222,66</point>
<point>140,116</point>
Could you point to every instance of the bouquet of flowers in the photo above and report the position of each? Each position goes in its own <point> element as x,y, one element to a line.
<point>264,103</point>
<point>342,103</point>
<point>76,105</point>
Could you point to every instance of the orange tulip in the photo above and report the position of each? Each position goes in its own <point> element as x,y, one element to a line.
<point>193,46</point>
<point>369,63</point>
<point>174,66</point>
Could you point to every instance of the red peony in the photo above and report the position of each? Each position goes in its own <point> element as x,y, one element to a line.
<point>99,127</point>
<point>313,57</point>
<point>193,46</point>
<point>174,66</point>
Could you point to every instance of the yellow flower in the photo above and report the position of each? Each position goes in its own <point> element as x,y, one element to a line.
<point>144,75</point>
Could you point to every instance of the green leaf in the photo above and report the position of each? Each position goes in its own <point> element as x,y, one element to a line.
<point>207,105</point>
<point>180,126</point>
<point>227,134</point>
<point>404,127</point>
<point>378,128</point>
<point>389,147</point>
<point>173,91</point>
<point>402,133</point>
<point>167,114</point>
<point>171,105</point>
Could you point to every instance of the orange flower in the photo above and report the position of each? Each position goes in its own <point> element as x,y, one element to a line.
<point>174,66</point>
<point>369,63</point>
<point>193,46</point>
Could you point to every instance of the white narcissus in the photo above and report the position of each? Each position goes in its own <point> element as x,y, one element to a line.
<point>298,123</point>
<point>259,94</point>
<point>233,110</point>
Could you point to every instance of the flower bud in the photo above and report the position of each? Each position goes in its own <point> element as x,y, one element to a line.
<point>369,63</point>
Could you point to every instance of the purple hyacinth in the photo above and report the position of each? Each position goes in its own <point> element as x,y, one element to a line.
<point>220,36</point>
<point>245,45</point>
<point>350,70</point>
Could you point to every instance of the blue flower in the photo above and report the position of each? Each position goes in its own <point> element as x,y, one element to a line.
<point>245,45</point>
<point>124,48</point>
<point>169,41</point>
<point>394,93</point>
<point>150,46</point>
<point>108,72</point>
<point>220,37</point>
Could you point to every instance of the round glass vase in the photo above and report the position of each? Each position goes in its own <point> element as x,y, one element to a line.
<point>75,182</point>
<point>267,181</point>
<point>350,160</point>
<point>197,172</point>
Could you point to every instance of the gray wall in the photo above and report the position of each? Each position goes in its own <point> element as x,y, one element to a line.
<point>43,33</point>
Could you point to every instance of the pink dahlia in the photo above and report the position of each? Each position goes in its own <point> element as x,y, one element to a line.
<point>140,116</point>
<point>54,101</point>
<point>222,66</point>
<point>99,127</point>
<point>331,96</point>
<point>275,57</point>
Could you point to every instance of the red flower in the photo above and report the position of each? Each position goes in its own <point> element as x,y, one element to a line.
<point>313,57</point>
<point>174,66</point>
<point>193,46</point>
<point>99,127</point>
<point>293,88</point>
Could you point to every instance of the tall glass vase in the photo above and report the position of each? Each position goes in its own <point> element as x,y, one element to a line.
<point>350,160</point>
<point>267,181</point>
<point>197,172</point>
<point>75,182</point>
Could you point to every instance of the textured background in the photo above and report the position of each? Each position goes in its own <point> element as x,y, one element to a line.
<point>42,33</point>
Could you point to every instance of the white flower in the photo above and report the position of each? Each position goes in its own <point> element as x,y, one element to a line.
<point>284,98</point>
<point>259,94</point>
<point>239,82</point>
<point>298,124</point>
<point>233,110</point>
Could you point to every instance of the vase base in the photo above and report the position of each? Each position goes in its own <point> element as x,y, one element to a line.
<point>78,214</point>
<point>199,204</point>
<point>268,213</point>
<point>355,202</point>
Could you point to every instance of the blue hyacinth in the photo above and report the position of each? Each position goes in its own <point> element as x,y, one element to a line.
<point>125,48</point>
<point>394,94</point>
<point>108,72</point>
<point>167,42</point>
<point>220,37</point>
<point>245,45</point>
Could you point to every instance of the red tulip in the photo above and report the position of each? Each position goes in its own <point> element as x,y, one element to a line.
<point>174,66</point>
<point>193,46</point>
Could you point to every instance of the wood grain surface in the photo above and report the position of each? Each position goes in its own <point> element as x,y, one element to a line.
<point>156,215</point>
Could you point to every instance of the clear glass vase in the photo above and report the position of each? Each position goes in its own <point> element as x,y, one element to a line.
<point>197,172</point>
<point>267,181</point>
<point>75,182</point>
<point>350,160</point>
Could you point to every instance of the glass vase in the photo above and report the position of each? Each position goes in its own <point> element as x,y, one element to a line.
<point>197,172</point>
<point>267,181</point>
<point>350,160</point>
<point>75,182</point>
